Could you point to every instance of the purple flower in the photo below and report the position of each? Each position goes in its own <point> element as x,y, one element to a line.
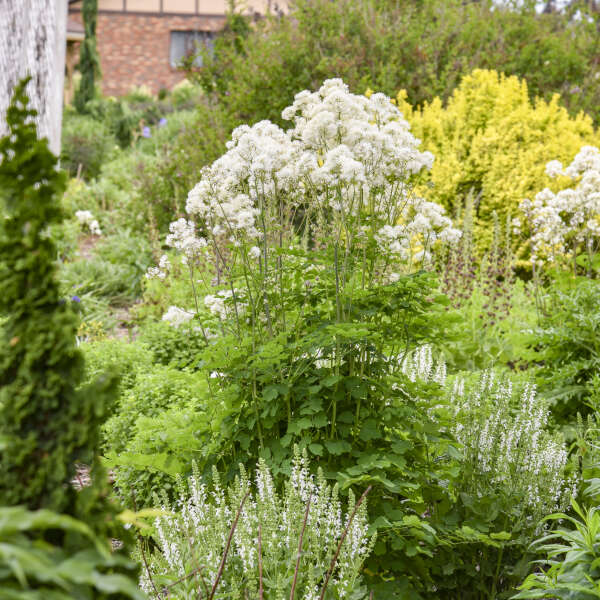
<point>76,299</point>
<point>162,122</point>
<point>146,132</point>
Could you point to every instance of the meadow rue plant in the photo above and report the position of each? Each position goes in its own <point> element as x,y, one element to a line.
<point>309,249</point>
<point>566,224</point>
<point>249,541</point>
<point>340,177</point>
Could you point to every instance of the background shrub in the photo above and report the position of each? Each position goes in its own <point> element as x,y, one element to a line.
<point>425,47</point>
<point>85,142</point>
<point>170,346</point>
<point>490,140</point>
<point>130,360</point>
<point>159,428</point>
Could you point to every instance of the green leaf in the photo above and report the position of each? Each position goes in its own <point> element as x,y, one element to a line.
<point>299,425</point>
<point>337,447</point>
<point>369,430</point>
<point>316,449</point>
<point>270,393</point>
<point>331,380</point>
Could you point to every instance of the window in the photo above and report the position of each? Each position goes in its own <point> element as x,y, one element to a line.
<point>187,43</point>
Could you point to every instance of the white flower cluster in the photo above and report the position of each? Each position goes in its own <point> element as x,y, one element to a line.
<point>353,139</point>
<point>160,272</point>
<point>420,365</point>
<point>183,238</point>
<point>511,447</point>
<point>225,303</point>
<point>257,163</point>
<point>345,152</point>
<point>86,218</point>
<point>195,531</point>
<point>562,221</point>
<point>176,316</point>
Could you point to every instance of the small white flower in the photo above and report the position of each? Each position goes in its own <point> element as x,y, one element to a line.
<point>176,316</point>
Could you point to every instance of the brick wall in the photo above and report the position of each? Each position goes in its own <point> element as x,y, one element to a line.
<point>134,48</point>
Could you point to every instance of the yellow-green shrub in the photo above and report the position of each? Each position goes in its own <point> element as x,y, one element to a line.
<point>492,140</point>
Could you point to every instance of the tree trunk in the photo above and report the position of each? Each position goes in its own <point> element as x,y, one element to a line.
<point>32,42</point>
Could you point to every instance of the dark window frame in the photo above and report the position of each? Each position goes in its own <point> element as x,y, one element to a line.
<point>186,42</point>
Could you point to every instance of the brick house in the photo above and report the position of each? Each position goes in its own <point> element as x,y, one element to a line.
<point>140,42</point>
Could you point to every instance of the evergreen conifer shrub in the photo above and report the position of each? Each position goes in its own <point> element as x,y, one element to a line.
<point>46,425</point>
<point>89,62</point>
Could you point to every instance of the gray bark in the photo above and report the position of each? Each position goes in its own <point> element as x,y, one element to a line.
<point>32,42</point>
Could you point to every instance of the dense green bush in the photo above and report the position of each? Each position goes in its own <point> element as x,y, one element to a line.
<point>130,360</point>
<point>158,429</point>
<point>46,426</point>
<point>424,46</point>
<point>86,145</point>
<point>180,348</point>
<point>567,345</point>
<point>156,390</point>
<point>33,566</point>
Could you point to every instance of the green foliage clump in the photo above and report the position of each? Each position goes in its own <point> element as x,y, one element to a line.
<point>179,348</point>
<point>156,390</point>
<point>86,145</point>
<point>89,61</point>
<point>159,449</point>
<point>571,558</point>
<point>159,427</point>
<point>131,360</point>
<point>567,347</point>
<point>490,140</point>
<point>46,426</point>
<point>82,567</point>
